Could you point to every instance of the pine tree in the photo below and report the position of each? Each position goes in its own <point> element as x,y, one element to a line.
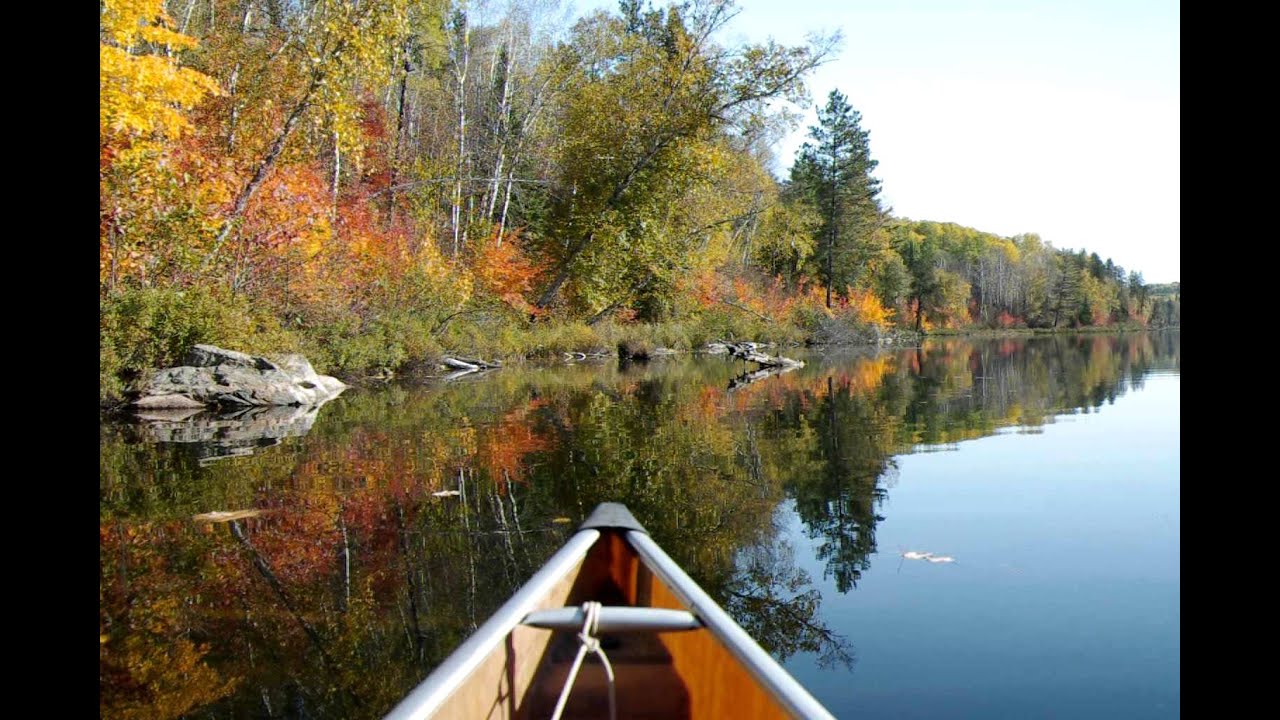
<point>833,173</point>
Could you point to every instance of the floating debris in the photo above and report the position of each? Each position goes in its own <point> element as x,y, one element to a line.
<point>219,516</point>
<point>445,493</point>
<point>921,555</point>
<point>562,520</point>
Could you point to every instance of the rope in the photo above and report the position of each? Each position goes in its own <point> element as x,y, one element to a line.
<point>590,643</point>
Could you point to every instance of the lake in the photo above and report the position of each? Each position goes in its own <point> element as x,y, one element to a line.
<point>371,536</point>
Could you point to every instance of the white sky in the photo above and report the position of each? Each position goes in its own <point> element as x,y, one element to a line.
<point>1009,116</point>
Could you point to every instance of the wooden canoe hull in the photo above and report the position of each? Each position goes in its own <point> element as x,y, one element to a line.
<point>691,674</point>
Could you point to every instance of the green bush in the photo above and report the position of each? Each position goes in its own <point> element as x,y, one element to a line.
<point>155,327</point>
<point>348,347</point>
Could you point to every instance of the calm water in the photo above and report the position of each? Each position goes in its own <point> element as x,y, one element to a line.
<point>1047,468</point>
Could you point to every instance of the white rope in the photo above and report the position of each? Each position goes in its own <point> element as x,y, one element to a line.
<point>590,643</point>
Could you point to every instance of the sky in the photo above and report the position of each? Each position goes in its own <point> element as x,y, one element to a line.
<point>1008,116</point>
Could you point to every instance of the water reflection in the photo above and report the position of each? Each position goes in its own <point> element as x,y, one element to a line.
<point>217,435</point>
<point>355,580</point>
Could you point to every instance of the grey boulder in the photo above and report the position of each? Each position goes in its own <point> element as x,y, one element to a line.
<point>213,376</point>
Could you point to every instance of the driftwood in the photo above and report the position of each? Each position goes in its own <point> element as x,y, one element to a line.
<point>469,364</point>
<point>750,352</point>
<point>463,366</point>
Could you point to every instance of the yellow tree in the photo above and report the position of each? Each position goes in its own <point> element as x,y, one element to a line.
<point>144,92</point>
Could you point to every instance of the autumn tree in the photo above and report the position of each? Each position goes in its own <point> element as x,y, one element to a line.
<point>325,48</point>
<point>144,95</point>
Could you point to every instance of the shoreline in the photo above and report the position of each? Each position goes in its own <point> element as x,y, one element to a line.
<point>641,344</point>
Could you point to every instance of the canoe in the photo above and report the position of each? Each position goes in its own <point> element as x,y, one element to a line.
<point>673,652</point>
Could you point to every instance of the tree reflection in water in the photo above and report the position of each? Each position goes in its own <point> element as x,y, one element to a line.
<point>356,580</point>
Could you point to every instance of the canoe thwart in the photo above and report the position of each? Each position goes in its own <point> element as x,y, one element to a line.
<point>615,619</point>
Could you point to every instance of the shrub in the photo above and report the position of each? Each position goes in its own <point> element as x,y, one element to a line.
<point>155,327</point>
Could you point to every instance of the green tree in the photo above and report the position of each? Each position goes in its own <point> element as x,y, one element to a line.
<point>834,173</point>
<point>1066,292</point>
<point>920,257</point>
<point>785,242</point>
<point>642,128</point>
<point>1138,292</point>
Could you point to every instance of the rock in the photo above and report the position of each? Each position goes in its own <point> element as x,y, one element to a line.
<point>214,356</point>
<point>215,376</point>
<point>155,402</point>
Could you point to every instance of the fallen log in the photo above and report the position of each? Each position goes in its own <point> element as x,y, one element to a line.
<point>750,352</point>
<point>461,363</point>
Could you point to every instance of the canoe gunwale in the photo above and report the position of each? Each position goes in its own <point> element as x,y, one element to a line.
<point>425,699</point>
<point>790,693</point>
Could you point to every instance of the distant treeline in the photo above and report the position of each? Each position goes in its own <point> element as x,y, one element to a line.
<point>960,276</point>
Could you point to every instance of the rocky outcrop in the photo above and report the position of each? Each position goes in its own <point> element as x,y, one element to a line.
<point>215,377</point>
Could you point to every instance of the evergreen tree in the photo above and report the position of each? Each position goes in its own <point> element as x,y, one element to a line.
<point>1138,292</point>
<point>833,172</point>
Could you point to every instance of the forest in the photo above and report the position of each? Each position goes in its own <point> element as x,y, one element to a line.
<point>376,183</point>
